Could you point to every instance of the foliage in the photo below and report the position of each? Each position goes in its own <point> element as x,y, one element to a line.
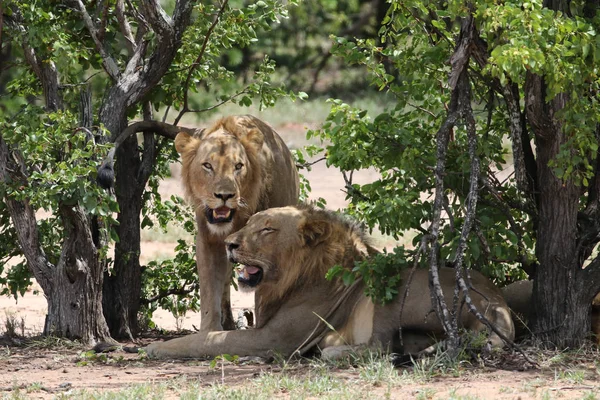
<point>418,40</point>
<point>300,45</point>
<point>222,358</point>
<point>64,170</point>
<point>380,273</point>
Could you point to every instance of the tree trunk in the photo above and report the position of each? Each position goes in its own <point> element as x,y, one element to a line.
<point>73,286</point>
<point>562,307</point>
<point>122,287</point>
<point>560,298</point>
<point>74,291</point>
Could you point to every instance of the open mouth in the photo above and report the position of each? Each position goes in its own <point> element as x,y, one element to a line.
<point>249,276</point>
<point>219,215</point>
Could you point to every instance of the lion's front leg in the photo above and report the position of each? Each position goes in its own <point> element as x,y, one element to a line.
<point>227,321</point>
<point>214,274</point>
<point>251,342</point>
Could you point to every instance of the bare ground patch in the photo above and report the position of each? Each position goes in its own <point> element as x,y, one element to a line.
<point>42,369</point>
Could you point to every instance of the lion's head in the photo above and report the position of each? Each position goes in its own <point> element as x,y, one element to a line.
<point>221,171</point>
<point>291,247</point>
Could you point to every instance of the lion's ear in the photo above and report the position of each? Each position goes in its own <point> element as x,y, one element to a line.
<point>315,231</point>
<point>185,142</point>
<point>255,138</point>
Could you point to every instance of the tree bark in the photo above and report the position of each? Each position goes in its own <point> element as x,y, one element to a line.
<point>123,287</point>
<point>75,297</point>
<point>561,298</point>
<point>121,291</point>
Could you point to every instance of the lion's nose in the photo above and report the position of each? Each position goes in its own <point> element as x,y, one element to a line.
<point>231,244</point>
<point>224,196</point>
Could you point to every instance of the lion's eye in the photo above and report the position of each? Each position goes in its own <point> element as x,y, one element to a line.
<point>207,166</point>
<point>239,166</point>
<point>267,230</point>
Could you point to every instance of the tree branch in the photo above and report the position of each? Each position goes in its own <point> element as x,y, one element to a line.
<point>515,228</point>
<point>420,251</point>
<point>124,26</point>
<point>459,107</point>
<point>437,296</point>
<point>24,220</point>
<point>157,17</point>
<point>514,116</point>
<point>309,164</point>
<point>196,62</point>
<point>110,66</point>
<point>473,310</point>
<point>182,291</point>
<point>106,175</point>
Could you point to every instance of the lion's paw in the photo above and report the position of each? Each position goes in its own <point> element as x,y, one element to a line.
<point>153,350</point>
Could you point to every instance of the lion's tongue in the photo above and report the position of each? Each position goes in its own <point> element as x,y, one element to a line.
<point>251,270</point>
<point>221,212</point>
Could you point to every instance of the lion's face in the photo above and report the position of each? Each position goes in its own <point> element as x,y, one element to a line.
<point>265,245</point>
<point>218,167</point>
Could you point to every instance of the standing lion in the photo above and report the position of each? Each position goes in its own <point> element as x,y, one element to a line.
<point>230,171</point>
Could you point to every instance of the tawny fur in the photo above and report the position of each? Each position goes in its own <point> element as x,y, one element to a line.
<point>266,177</point>
<point>294,247</point>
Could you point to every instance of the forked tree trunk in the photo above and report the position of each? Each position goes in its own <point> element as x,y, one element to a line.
<point>74,290</point>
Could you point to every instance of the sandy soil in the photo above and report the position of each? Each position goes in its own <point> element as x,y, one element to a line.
<point>45,372</point>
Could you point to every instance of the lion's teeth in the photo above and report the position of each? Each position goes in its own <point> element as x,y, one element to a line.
<point>220,214</point>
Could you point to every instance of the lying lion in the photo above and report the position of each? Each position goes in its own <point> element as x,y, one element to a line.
<point>285,253</point>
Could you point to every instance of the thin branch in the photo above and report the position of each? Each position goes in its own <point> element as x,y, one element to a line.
<point>214,106</point>
<point>150,150</point>
<point>124,25</point>
<point>480,317</point>
<point>109,64</point>
<point>437,296</point>
<point>459,83</point>
<point>24,219</point>
<point>428,27</point>
<point>514,227</point>
<point>420,108</point>
<point>449,213</point>
<point>309,164</point>
<point>195,64</point>
<point>516,133</point>
<point>182,291</point>
<point>351,191</point>
<point>103,22</point>
<point>143,26</point>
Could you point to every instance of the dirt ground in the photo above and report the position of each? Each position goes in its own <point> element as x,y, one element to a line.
<point>45,370</point>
